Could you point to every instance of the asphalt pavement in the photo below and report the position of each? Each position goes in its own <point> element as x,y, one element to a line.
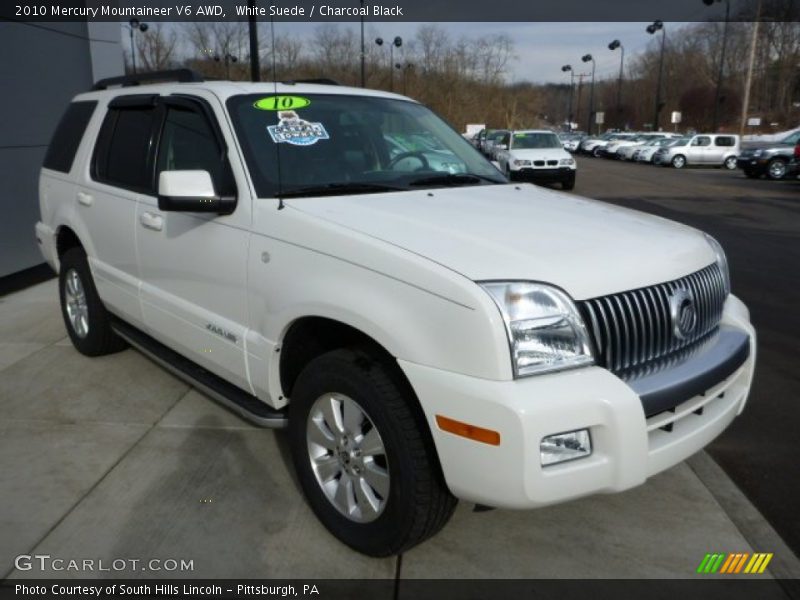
<point>758,223</point>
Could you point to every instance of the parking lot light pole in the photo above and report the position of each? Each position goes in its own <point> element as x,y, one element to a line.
<point>613,46</point>
<point>568,69</point>
<point>652,29</point>
<point>717,95</point>
<point>397,42</point>
<point>587,58</point>
<point>133,25</point>
<point>363,50</point>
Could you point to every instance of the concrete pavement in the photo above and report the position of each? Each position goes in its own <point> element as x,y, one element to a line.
<point>113,458</point>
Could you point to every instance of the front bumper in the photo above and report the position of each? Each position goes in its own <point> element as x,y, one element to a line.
<point>543,174</point>
<point>628,447</point>
<point>754,165</point>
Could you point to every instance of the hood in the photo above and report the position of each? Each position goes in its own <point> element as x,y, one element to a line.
<point>538,153</point>
<point>523,232</point>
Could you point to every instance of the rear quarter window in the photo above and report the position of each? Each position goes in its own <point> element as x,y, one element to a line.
<point>725,140</point>
<point>67,137</point>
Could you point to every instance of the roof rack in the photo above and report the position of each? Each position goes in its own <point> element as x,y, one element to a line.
<point>178,75</point>
<point>318,81</point>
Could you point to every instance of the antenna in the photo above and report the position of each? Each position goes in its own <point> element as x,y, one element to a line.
<point>275,88</point>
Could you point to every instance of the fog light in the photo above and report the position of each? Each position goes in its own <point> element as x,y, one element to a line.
<point>562,447</point>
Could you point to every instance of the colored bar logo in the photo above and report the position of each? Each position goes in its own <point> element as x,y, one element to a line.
<point>735,562</point>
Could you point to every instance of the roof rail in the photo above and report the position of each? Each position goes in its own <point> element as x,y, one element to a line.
<point>318,81</point>
<point>179,75</point>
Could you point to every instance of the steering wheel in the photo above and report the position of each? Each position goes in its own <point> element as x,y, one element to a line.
<point>425,166</point>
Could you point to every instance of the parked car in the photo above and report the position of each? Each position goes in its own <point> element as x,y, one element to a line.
<point>625,150</point>
<point>709,150</point>
<point>793,169</point>
<point>491,140</point>
<point>424,335</point>
<point>646,152</point>
<point>768,158</point>
<point>537,156</point>
<point>595,146</point>
<point>571,141</point>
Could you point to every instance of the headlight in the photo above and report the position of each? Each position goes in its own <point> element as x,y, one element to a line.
<point>722,262</point>
<point>522,163</point>
<point>567,161</point>
<point>545,330</point>
<point>758,153</point>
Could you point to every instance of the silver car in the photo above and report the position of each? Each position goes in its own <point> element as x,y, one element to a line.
<point>706,149</point>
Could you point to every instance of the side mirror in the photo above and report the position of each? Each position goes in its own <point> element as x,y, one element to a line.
<point>191,191</point>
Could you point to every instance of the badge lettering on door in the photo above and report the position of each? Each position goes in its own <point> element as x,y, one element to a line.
<point>221,332</point>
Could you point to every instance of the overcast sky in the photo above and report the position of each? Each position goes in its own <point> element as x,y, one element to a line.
<point>541,48</point>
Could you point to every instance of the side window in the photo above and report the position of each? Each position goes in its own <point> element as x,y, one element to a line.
<point>123,147</point>
<point>189,143</point>
<point>68,135</point>
<point>702,141</point>
<point>725,140</point>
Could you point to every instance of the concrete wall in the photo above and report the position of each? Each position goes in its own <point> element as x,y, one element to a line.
<point>43,67</point>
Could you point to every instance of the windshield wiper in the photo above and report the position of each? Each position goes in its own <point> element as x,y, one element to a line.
<point>336,189</point>
<point>451,179</point>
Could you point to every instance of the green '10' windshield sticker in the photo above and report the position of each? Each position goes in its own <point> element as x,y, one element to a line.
<point>281,103</point>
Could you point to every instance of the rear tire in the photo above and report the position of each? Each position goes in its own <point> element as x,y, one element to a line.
<point>355,427</point>
<point>86,319</point>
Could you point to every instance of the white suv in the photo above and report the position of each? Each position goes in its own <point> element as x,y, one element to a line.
<point>426,333</point>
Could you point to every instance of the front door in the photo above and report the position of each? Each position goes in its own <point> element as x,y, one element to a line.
<point>193,265</point>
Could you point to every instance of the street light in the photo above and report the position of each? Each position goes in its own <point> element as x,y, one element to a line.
<point>613,46</point>
<point>363,49</point>
<point>568,69</point>
<point>133,25</point>
<point>721,58</point>
<point>652,29</point>
<point>405,69</point>
<point>587,58</point>
<point>396,43</point>
<point>228,58</point>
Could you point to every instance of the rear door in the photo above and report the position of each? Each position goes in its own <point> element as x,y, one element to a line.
<point>106,200</point>
<point>193,265</point>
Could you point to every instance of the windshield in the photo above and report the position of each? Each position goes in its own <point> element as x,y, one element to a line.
<point>528,140</point>
<point>331,143</point>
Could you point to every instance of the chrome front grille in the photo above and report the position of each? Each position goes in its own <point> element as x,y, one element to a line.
<point>633,332</point>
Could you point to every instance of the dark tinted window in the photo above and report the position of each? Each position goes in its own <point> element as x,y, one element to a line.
<point>68,135</point>
<point>725,140</point>
<point>122,149</point>
<point>188,143</point>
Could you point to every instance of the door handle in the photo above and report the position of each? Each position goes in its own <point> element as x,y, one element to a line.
<point>85,199</point>
<point>152,221</point>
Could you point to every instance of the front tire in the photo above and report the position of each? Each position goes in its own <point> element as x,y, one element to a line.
<point>364,456</point>
<point>776,169</point>
<point>730,163</point>
<point>87,321</point>
<point>679,161</point>
<point>751,174</point>
<point>568,183</point>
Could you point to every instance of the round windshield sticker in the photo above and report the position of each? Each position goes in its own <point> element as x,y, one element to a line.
<point>281,103</point>
<point>291,129</point>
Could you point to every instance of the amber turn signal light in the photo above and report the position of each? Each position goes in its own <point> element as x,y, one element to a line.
<point>471,432</point>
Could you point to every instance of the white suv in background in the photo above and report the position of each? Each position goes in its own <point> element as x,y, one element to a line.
<point>537,156</point>
<point>426,333</point>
